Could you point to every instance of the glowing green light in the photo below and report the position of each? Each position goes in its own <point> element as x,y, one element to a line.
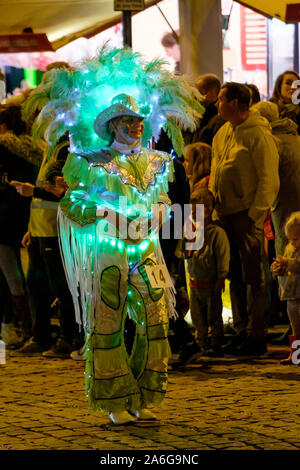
<point>144,245</point>
<point>113,242</point>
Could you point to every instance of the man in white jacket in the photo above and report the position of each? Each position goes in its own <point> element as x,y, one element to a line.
<point>244,180</point>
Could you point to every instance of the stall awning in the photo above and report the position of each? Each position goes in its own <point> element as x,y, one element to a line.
<point>288,11</point>
<point>62,21</point>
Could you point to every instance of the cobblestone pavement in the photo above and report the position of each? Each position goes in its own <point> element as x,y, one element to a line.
<point>225,404</point>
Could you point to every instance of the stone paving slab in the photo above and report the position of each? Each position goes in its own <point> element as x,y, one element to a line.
<point>215,404</point>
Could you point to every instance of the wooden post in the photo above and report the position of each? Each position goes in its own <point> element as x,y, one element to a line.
<point>127,7</point>
<point>127,32</point>
<point>201,41</point>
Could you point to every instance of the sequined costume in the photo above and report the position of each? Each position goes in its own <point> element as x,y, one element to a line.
<point>108,273</point>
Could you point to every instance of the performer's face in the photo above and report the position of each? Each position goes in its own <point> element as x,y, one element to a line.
<point>128,129</point>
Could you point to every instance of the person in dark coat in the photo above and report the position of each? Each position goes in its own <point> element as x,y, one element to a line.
<point>19,159</point>
<point>179,193</point>
<point>209,86</point>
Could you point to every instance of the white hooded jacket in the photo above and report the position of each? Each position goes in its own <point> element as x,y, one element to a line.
<point>244,170</point>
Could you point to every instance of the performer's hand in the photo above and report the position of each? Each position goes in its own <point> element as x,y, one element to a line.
<point>58,191</point>
<point>60,183</point>
<point>25,189</point>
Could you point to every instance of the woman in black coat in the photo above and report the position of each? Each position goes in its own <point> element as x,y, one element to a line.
<point>18,161</point>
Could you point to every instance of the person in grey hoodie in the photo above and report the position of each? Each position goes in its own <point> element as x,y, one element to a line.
<point>244,180</point>
<point>288,199</point>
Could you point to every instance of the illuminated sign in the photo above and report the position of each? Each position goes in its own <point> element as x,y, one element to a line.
<point>131,5</point>
<point>253,40</point>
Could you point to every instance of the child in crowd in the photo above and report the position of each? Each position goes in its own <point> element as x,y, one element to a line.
<point>197,162</point>
<point>208,268</point>
<point>288,268</point>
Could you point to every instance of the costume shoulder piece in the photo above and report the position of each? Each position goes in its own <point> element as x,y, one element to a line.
<point>141,186</point>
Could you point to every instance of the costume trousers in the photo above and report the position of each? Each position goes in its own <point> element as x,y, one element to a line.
<point>206,310</point>
<point>247,287</point>
<point>115,379</point>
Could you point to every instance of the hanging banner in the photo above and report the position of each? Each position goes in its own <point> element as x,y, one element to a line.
<point>292,13</point>
<point>26,42</point>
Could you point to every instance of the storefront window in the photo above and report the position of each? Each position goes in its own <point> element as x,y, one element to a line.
<point>256,49</point>
<point>281,49</point>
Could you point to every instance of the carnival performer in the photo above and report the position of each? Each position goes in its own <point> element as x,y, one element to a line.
<point>110,217</point>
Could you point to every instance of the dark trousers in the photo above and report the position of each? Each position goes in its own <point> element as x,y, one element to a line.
<point>46,281</point>
<point>182,332</point>
<point>206,310</point>
<point>6,315</point>
<point>247,287</point>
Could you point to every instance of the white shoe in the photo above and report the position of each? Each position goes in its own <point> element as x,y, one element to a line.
<point>9,335</point>
<point>121,417</point>
<point>78,355</point>
<point>145,413</point>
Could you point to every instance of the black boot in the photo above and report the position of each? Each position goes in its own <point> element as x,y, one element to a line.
<point>251,346</point>
<point>233,344</point>
<point>284,338</point>
<point>188,350</point>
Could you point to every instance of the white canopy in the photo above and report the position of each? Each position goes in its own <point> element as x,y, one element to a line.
<point>62,20</point>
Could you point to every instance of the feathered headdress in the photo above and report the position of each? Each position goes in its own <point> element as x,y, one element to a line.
<point>70,100</point>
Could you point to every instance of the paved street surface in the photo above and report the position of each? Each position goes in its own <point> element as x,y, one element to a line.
<point>225,404</point>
